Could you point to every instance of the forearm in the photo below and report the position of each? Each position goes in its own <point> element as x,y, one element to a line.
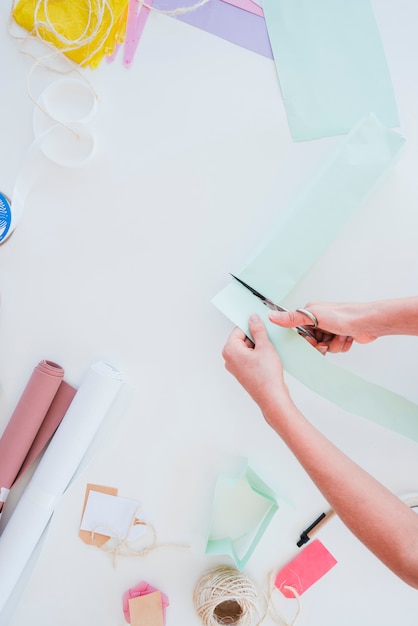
<point>381,521</point>
<point>387,526</point>
<point>398,316</point>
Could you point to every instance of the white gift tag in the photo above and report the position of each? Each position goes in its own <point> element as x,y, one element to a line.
<point>113,516</point>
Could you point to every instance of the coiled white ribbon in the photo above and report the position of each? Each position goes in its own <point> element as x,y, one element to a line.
<point>62,135</point>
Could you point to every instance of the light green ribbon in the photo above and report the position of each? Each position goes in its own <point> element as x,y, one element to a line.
<point>330,199</point>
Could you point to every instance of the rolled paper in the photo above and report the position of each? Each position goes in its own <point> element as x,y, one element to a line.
<point>331,65</point>
<point>27,419</point>
<point>88,409</point>
<point>57,410</point>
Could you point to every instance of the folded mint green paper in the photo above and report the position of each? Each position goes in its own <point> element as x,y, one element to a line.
<point>323,207</point>
<point>242,510</point>
<point>331,65</point>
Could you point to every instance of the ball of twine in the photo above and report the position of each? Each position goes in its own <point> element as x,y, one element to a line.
<point>226,596</point>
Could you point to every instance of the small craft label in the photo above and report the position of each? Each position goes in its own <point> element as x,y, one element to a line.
<point>309,566</point>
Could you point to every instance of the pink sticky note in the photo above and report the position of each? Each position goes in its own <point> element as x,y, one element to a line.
<point>309,566</point>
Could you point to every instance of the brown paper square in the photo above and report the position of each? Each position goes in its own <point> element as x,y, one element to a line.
<point>146,610</point>
<point>85,535</point>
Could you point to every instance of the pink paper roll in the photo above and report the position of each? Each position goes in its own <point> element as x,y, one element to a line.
<point>27,419</point>
<point>57,410</point>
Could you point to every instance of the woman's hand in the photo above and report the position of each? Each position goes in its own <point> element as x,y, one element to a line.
<point>339,324</point>
<point>256,366</point>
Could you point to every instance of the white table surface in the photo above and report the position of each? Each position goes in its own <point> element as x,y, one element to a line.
<point>119,261</point>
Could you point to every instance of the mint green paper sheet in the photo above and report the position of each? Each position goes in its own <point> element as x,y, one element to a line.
<point>248,506</point>
<point>322,208</point>
<point>331,65</point>
<point>330,199</point>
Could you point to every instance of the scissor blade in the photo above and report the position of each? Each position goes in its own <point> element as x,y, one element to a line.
<point>269,303</point>
<point>304,332</point>
<point>256,293</point>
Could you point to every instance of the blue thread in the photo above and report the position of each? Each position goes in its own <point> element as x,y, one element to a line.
<point>5,216</point>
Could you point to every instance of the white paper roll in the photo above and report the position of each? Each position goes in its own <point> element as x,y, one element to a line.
<point>89,407</point>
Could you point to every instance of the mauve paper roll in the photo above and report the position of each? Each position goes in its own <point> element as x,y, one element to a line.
<point>91,403</point>
<point>26,421</point>
<point>57,410</point>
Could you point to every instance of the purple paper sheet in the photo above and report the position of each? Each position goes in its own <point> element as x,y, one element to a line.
<point>226,21</point>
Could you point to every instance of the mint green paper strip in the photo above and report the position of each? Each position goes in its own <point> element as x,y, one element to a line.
<point>350,392</point>
<point>331,65</point>
<point>320,211</point>
<point>350,175</point>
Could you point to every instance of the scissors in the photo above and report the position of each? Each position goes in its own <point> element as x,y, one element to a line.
<point>303,332</point>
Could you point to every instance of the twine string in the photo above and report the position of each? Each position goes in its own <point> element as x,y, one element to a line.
<point>222,585</point>
<point>42,61</point>
<point>272,609</point>
<point>97,11</point>
<point>95,7</point>
<point>99,8</point>
<point>226,596</point>
<point>122,546</point>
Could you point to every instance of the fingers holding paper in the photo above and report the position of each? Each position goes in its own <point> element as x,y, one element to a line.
<point>339,324</point>
<point>255,364</point>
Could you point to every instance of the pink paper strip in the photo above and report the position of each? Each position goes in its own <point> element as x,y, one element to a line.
<point>27,418</point>
<point>247,5</point>
<point>134,28</point>
<point>111,57</point>
<point>309,566</point>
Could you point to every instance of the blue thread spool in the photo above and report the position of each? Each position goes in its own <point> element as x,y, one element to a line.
<point>5,216</point>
